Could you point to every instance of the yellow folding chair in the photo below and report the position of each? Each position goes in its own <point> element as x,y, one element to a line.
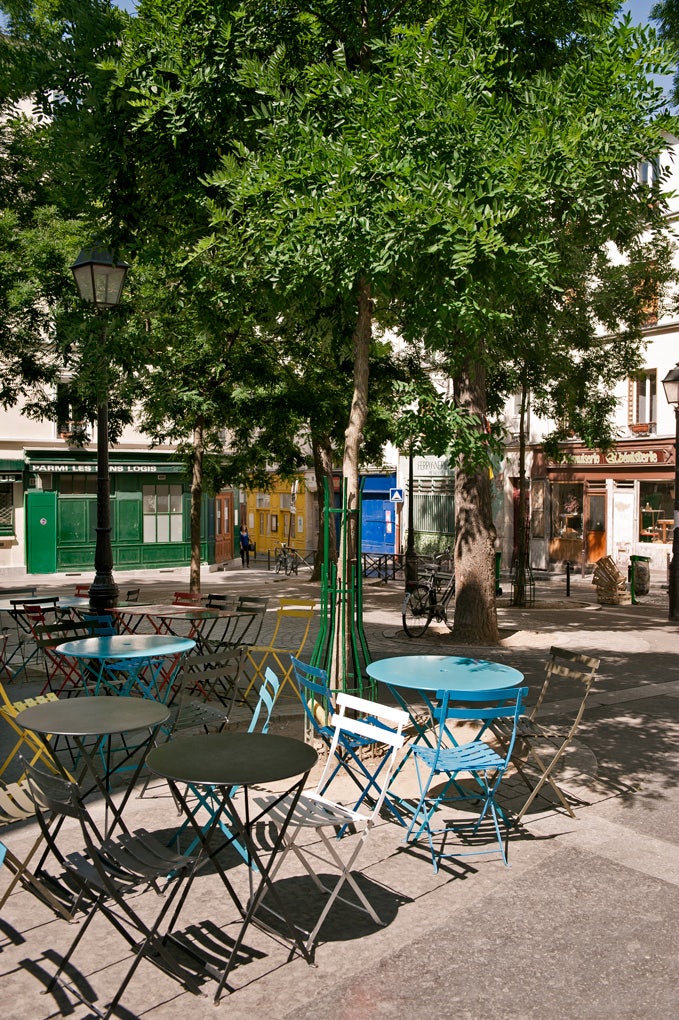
<point>278,651</point>
<point>9,710</point>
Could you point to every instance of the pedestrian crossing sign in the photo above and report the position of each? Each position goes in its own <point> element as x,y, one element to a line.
<point>396,495</point>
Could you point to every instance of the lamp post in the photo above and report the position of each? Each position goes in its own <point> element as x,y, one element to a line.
<point>671,386</point>
<point>100,282</point>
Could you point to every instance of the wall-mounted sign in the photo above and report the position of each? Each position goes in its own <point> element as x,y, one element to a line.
<point>592,458</point>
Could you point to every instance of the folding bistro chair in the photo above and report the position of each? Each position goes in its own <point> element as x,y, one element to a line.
<point>475,758</point>
<point>220,600</point>
<point>132,595</point>
<point>109,875</point>
<point>252,608</point>
<point>315,811</point>
<point>28,741</point>
<point>186,598</point>
<point>540,745</point>
<point>289,611</point>
<point>216,676</point>
<point>318,701</point>
<point>16,805</point>
<point>206,796</point>
<point>82,591</point>
<point>63,674</point>
<point>28,613</point>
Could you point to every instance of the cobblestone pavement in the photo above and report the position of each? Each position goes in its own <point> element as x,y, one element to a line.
<point>582,925</point>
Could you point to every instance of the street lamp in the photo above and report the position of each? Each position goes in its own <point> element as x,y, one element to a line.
<point>671,386</point>
<point>100,282</point>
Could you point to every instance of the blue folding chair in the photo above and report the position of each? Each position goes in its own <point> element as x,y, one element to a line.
<point>476,758</point>
<point>209,798</point>
<point>318,700</point>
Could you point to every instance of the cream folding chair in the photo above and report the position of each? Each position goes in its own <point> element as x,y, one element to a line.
<point>278,651</point>
<point>541,745</point>
<point>316,811</point>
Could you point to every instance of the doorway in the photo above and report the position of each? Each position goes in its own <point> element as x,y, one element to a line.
<point>224,527</point>
<point>595,517</point>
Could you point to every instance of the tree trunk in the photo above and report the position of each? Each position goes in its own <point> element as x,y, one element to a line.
<point>322,452</point>
<point>519,594</point>
<point>475,612</point>
<point>347,565</point>
<point>196,500</point>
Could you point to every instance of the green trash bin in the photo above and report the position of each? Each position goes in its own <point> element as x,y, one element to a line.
<point>640,576</point>
<point>498,561</point>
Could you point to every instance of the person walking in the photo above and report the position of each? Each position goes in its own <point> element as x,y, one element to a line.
<point>245,546</point>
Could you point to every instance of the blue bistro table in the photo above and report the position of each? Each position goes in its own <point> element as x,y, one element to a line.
<point>128,663</point>
<point>425,674</point>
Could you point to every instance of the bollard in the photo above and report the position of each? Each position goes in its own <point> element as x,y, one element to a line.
<point>568,578</point>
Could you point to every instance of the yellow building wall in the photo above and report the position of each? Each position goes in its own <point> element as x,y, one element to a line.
<point>269,518</point>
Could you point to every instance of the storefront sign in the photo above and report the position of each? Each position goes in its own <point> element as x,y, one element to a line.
<point>428,466</point>
<point>593,458</point>
<point>91,469</point>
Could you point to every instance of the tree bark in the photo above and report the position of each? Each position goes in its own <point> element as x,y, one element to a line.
<point>475,612</point>
<point>322,451</point>
<point>196,500</point>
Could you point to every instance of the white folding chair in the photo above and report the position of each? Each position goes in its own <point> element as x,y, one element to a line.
<point>318,812</point>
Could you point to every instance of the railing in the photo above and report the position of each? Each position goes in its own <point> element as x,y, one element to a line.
<point>300,558</point>
<point>387,566</point>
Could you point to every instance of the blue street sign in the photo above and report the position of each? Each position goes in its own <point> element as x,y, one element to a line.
<point>396,495</point>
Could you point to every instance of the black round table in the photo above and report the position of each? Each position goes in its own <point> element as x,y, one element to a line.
<point>232,759</point>
<point>99,717</point>
<point>227,762</point>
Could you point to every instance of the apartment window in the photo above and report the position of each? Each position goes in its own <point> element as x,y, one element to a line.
<point>649,171</point>
<point>643,399</point>
<point>274,523</point>
<point>6,509</point>
<point>162,509</point>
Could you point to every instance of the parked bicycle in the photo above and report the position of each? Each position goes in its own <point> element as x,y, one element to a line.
<point>285,559</point>
<point>429,601</point>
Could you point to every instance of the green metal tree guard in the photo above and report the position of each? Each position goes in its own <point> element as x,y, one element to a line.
<point>341,611</point>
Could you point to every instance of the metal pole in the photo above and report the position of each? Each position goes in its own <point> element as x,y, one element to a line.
<point>674,564</point>
<point>411,558</point>
<point>104,590</point>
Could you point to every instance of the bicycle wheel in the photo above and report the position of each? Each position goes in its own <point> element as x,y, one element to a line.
<point>417,611</point>
<point>279,562</point>
<point>288,564</point>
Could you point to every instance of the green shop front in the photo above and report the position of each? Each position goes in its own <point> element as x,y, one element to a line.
<point>150,512</point>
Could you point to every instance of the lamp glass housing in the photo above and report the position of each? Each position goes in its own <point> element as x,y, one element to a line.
<point>98,278</point>
<point>671,386</point>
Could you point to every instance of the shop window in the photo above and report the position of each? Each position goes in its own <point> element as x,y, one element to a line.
<point>656,511</point>
<point>78,485</point>
<point>162,509</point>
<point>567,510</point>
<point>596,519</point>
<point>6,509</point>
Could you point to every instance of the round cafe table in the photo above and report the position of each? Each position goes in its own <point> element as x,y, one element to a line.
<point>91,723</point>
<point>228,762</point>
<point>425,674</point>
<point>137,659</point>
